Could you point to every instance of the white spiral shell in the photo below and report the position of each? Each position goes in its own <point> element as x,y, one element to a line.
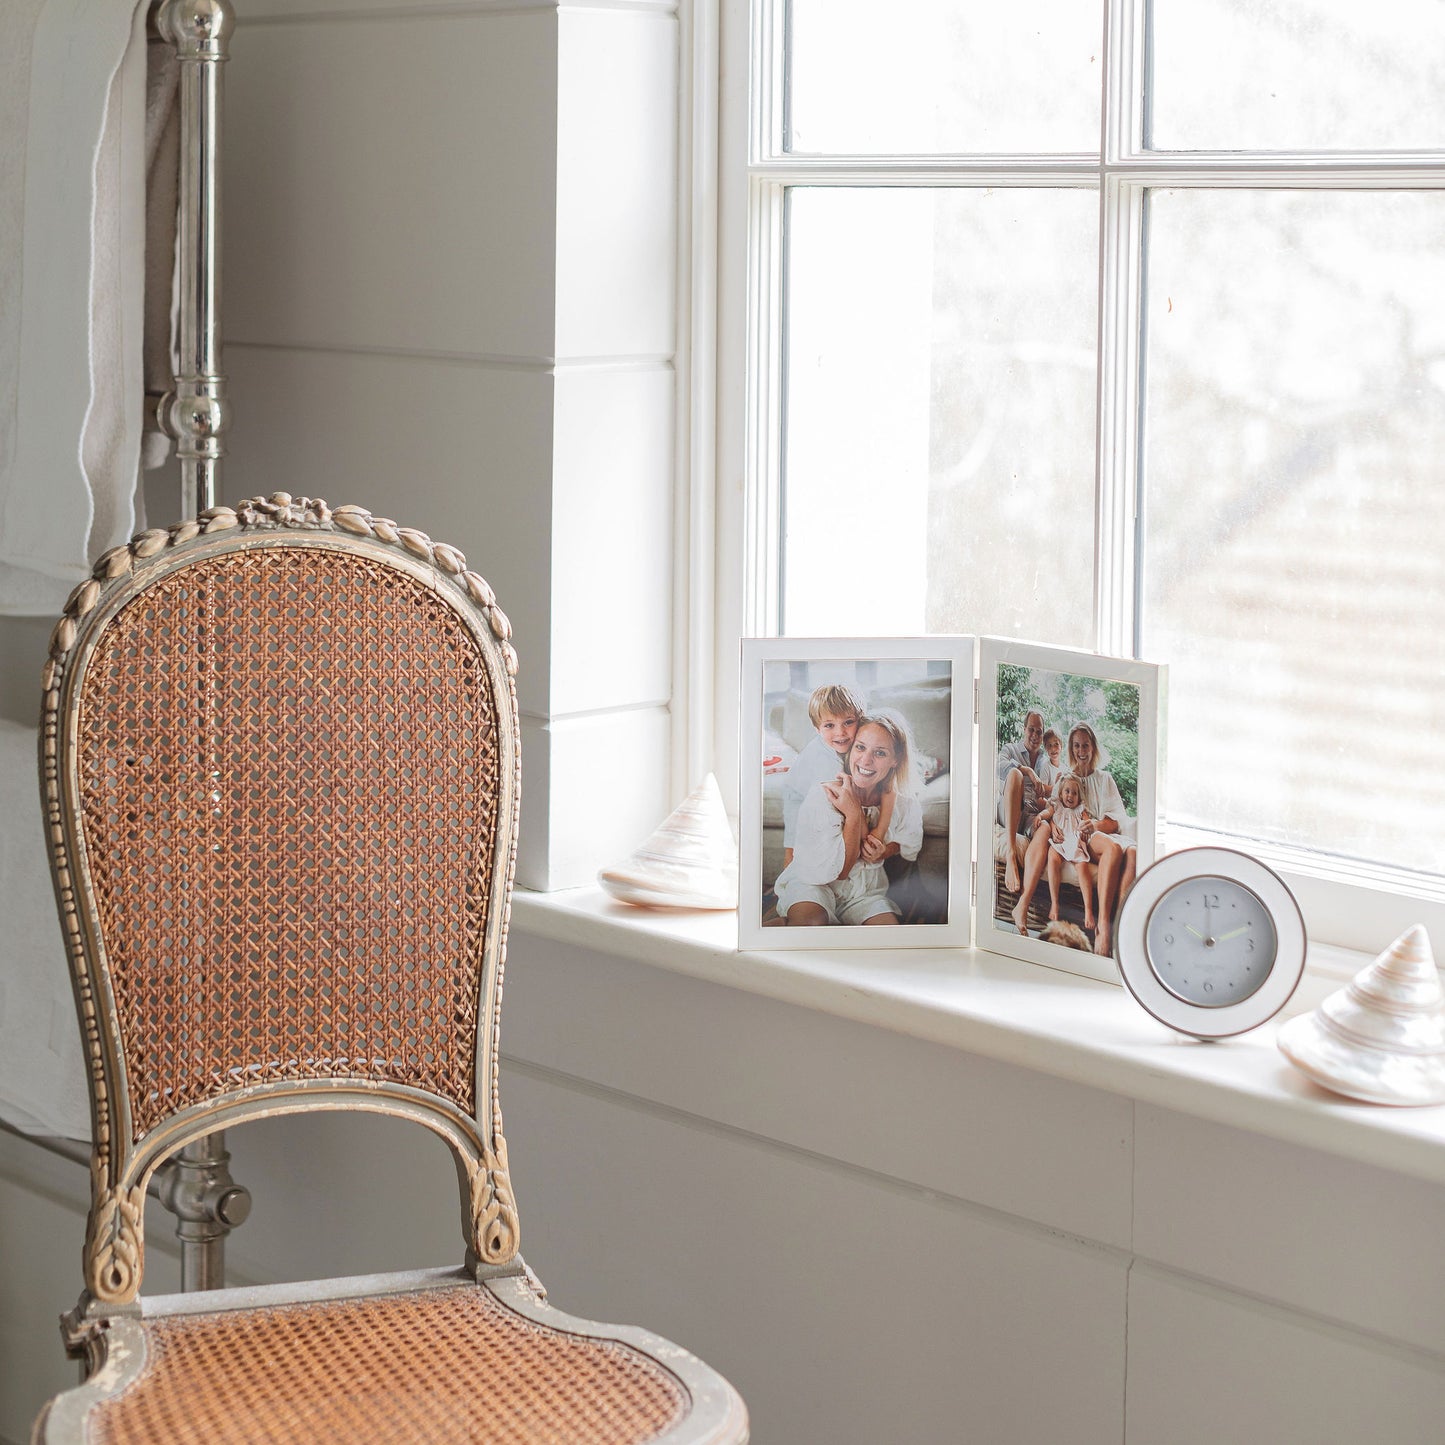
<point>689,861</point>
<point>1381,1038</point>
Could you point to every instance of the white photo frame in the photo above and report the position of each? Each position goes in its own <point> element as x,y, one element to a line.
<point>1119,704</point>
<point>928,682</point>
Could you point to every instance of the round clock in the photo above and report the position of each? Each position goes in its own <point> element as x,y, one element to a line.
<point>1210,942</point>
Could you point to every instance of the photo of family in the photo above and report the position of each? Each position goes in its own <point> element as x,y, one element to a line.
<point>853,777</point>
<point>1072,817</point>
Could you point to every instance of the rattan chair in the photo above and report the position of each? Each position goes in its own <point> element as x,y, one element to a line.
<point>279,756</point>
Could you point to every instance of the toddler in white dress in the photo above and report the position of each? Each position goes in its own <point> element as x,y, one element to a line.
<point>1065,817</point>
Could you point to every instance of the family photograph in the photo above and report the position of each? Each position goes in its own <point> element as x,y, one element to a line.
<point>855,792</point>
<point>1066,804</point>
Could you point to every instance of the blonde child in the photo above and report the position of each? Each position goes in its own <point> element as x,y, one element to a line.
<point>1049,772</point>
<point>1066,815</point>
<point>834,710</point>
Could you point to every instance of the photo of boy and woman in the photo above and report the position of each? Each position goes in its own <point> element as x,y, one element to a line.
<point>1065,823</point>
<point>855,806</point>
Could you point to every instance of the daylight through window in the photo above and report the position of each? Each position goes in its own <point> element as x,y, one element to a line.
<point>1127,332</point>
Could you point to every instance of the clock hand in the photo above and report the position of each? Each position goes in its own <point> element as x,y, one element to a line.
<point>1234,933</point>
<point>1190,928</point>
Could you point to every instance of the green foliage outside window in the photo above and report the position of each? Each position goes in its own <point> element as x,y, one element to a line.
<point>1065,699</point>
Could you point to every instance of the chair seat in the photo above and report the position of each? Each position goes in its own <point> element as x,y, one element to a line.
<point>434,1365</point>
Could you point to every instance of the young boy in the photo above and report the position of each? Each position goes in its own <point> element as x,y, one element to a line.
<point>1048,773</point>
<point>834,710</point>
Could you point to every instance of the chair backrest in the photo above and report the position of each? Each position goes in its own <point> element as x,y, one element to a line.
<point>279,759</point>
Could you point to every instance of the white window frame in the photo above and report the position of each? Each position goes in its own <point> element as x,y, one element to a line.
<point>1347,904</point>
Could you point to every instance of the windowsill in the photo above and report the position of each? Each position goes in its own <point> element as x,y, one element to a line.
<point>1018,1013</point>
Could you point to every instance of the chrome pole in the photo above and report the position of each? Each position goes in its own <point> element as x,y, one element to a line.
<point>196,414</point>
<point>198,1187</point>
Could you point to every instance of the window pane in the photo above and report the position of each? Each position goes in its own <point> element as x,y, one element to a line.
<point>1294,559</point>
<point>939,434</point>
<point>1297,75</point>
<point>936,76</point>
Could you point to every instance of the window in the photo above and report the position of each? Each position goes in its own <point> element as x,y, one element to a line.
<point>1120,326</point>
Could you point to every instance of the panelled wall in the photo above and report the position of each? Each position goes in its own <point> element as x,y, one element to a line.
<point>876,1238</point>
<point>451,279</point>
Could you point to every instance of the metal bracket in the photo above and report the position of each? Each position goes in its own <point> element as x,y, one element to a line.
<point>196,1186</point>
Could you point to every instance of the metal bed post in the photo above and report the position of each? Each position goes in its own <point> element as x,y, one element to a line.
<point>198,1187</point>
<point>196,413</point>
<point>195,1184</point>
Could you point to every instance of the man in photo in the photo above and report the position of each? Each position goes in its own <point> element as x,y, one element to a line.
<point>1020,794</point>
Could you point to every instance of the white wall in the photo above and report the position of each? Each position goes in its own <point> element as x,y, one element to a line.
<point>875,1238</point>
<point>451,238</point>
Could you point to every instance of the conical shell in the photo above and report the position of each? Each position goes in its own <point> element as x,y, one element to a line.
<point>1381,1038</point>
<point>690,861</point>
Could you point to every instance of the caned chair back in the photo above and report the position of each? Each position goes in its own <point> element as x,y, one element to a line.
<point>280,763</point>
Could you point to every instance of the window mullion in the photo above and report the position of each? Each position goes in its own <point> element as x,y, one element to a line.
<point>1117,556</point>
<point>766,322</point>
<point>1125,71</point>
<point>1117,553</point>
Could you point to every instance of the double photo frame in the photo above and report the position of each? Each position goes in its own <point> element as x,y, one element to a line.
<point>937,791</point>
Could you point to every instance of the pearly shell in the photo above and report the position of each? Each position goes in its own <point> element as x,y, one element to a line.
<point>690,861</point>
<point>1382,1037</point>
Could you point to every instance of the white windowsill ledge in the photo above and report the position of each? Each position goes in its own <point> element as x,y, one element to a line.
<point>1018,1013</point>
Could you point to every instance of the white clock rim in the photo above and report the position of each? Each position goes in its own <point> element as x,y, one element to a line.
<point>1203,1021</point>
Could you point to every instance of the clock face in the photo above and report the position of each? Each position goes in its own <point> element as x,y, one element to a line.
<point>1210,941</point>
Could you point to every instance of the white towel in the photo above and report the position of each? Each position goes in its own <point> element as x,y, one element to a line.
<point>42,1073</point>
<point>74,116</point>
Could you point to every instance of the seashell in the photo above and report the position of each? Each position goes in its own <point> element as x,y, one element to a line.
<point>220,519</point>
<point>417,543</point>
<point>478,590</point>
<point>352,522</point>
<point>1381,1038</point>
<point>148,544</point>
<point>690,861</point>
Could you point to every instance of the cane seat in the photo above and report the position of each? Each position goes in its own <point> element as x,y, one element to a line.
<point>280,773</point>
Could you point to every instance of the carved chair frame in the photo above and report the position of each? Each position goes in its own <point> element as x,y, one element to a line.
<point>121,1166</point>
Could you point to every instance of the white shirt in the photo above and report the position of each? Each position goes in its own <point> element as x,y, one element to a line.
<point>819,850</point>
